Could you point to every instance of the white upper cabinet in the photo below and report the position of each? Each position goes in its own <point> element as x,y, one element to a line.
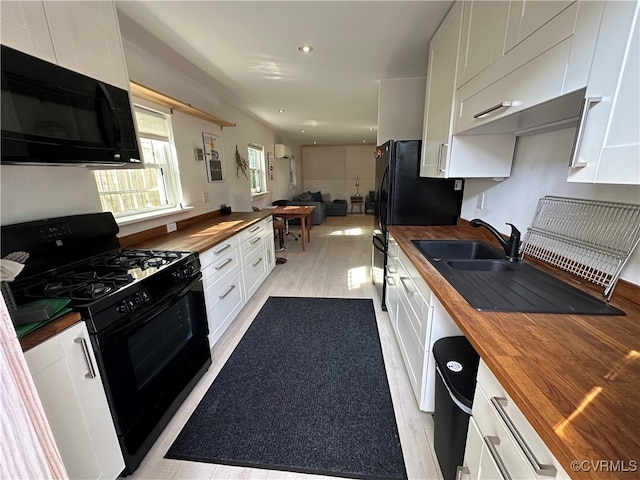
<point>443,155</point>
<point>607,147</point>
<point>24,28</point>
<point>484,28</point>
<point>547,51</point>
<point>81,36</point>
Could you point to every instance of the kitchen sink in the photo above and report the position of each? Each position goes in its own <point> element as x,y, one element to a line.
<point>456,249</point>
<point>490,282</point>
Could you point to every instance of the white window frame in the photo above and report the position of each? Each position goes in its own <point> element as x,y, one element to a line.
<point>293,179</point>
<point>162,145</point>
<point>260,170</point>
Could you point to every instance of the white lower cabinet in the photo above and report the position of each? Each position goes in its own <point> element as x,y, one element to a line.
<point>501,444</point>
<point>418,321</point>
<point>66,376</point>
<point>232,271</point>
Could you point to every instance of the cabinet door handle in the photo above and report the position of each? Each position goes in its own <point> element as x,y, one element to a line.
<point>254,229</point>
<point>574,161</point>
<point>221,297</point>
<point>224,264</point>
<point>255,240</point>
<point>403,281</point>
<point>87,357</point>
<point>256,264</point>
<point>492,442</point>
<point>540,468</point>
<point>220,250</point>
<point>460,471</point>
<point>493,109</point>
<point>441,148</point>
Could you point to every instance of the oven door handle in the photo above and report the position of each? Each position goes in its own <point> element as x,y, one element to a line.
<point>134,320</point>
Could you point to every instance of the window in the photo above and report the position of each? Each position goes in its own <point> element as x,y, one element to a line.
<point>157,186</point>
<point>257,170</point>
<point>293,181</point>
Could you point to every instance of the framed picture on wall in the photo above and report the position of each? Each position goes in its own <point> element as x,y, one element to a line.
<point>213,156</point>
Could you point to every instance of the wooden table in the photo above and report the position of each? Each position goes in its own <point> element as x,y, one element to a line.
<point>301,212</point>
<point>356,200</point>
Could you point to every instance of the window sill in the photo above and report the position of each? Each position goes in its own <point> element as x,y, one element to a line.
<point>140,217</point>
<point>258,195</point>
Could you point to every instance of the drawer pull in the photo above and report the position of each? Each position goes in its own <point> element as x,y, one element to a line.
<point>224,264</point>
<point>255,240</point>
<point>220,250</point>
<point>221,297</point>
<point>391,281</point>
<point>460,471</point>
<point>254,229</point>
<point>492,109</point>
<point>391,269</point>
<point>87,357</point>
<point>540,468</point>
<point>574,161</point>
<point>403,281</point>
<point>256,264</point>
<point>492,442</point>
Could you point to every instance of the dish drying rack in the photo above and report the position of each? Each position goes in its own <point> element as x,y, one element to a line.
<point>591,239</point>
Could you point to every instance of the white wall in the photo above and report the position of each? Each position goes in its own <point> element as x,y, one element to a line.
<point>400,109</point>
<point>539,169</point>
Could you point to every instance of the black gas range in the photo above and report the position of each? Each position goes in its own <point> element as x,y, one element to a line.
<point>144,310</point>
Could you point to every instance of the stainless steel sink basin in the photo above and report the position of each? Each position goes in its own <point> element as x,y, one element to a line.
<point>456,249</point>
<point>486,265</point>
<point>490,282</point>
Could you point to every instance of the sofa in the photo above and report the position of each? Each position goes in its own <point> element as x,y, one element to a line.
<point>332,208</point>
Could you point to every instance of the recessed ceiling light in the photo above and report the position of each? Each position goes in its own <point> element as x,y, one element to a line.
<point>371,129</point>
<point>364,141</point>
<point>281,110</point>
<point>301,131</point>
<point>314,142</point>
<point>305,48</point>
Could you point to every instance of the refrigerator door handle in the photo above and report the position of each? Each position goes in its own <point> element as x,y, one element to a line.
<point>382,223</point>
<point>379,244</point>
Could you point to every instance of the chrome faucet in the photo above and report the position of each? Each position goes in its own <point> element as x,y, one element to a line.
<point>511,246</point>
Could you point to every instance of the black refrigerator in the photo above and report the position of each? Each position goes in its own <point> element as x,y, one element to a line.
<point>403,197</point>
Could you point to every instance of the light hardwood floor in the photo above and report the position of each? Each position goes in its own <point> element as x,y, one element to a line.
<point>335,264</point>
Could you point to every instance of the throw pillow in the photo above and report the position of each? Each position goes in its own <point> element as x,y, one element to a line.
<point>326,198</point>
<point>317,196</point>
<point>305,197</point>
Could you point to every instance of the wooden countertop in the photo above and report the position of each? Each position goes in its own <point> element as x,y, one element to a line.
<point>195,234</point>
<point>575,377</point>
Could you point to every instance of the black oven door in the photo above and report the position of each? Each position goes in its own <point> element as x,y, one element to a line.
<point>152,362</point>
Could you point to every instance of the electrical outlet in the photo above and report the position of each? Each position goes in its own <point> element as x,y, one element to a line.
<point>480,204</point>
<point>171,227</point>
<point>205,197</point>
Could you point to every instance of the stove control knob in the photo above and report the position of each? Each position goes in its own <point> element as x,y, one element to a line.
<point>144,296</point>
<point>122,307</point>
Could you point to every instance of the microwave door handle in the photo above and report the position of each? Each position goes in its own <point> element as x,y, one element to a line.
<point>114,122</point>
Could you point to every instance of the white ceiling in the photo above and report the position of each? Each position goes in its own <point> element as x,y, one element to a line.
<point>251,50</point>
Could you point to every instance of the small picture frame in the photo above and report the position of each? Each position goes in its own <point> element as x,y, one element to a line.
<point>213,156</point>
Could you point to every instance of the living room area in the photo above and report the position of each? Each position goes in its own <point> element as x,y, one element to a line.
<point>338,180</point>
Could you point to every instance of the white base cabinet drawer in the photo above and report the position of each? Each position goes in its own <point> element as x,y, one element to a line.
<point>220,267</point>
<point>517,447</point>
<point>254,272</point>
<point>223,303</point>
<point>221,250</point>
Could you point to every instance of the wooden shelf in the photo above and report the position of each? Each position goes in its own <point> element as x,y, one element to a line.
<point>154,96</point>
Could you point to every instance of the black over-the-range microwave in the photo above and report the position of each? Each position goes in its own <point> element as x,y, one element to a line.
<point>54,116</point>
